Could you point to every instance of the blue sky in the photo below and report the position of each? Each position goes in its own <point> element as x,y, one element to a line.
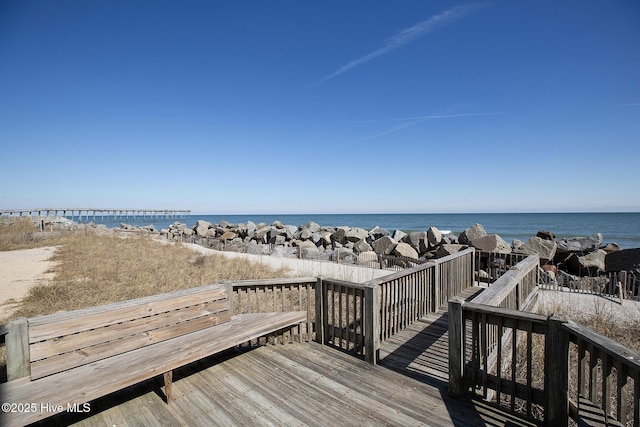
<point>321,107</point>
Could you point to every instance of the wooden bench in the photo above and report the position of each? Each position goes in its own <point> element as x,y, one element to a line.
<point>72,358</point>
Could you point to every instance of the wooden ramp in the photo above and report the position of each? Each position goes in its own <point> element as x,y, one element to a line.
<point>292,385</point>
<point>421,351</point>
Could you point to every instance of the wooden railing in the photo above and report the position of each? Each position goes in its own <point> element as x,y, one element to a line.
<point>515,288</point>
<point>348,318</point>
<point>357,318</point>
<point>494,264</point>
<point>521,360</point>
<point>278,295</point>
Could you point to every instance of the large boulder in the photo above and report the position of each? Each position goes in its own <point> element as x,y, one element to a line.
<point>311,226</point>
<point>449,249</point>
<point>405,250</point>
<point>228,235</point>
<point>378,232</point>
<point>398,235</point>
<point>491,243</point>
<point>202,227</point>
<point>580,244</point>
<point>384,245</point>
<point>356,234</point>
<point>587,265</point>
<point>362,246</point>
<point>474,232</point>
<point>545,249</point>
<point>434,236</point>
<point>546,235</point>
<point>418,241</point>
<point>339,235</point>
<point>624,260</point>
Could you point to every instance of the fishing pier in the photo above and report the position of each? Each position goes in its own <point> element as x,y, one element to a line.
<point>88,214</point>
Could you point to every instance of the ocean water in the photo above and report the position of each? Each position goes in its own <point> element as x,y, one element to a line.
<point>622,228</point>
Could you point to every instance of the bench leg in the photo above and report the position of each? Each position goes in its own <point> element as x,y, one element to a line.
<point>167,385</point>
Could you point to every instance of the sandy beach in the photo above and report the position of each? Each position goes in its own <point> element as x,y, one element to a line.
<point>19,271</point>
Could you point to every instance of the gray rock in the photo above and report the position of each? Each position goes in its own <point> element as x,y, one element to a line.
<point>261,233</point>
<point>306,234</point>
<point>611,247</point>
<point>418,241</point>
<point>449,239</point>
<point>309,250</point>
<point>491,243</point>
<point>398,235</point>
<point>449,249</point>
<point>580,244</point>
<point>590,264</point>
<point>355,234</point>
<point>384,245</point>
<point>362,246</point>
<point>202,227</point>
<point>474,232</point>
<point>228,235</point>
<point>624,260</point>
<point>516,244</point>
<point>405,250</point>
<point>344,255</point>
<point>311,226</point>
<point>291,231</point>
<point>545,249</point>
<point>434,236</point>
<point>187,232</point>
<point>546,235</point>
<point>378,232</point>
<point>339,235</point>
<point>256,249</point>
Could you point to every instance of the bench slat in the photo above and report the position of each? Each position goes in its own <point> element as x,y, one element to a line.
<point>99,378</point>
<point>104,350</point>
<point>57,346</point>
<point>46,327</point>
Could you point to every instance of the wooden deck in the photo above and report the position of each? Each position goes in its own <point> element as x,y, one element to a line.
<point>292,385</point>
<point>305,384</point>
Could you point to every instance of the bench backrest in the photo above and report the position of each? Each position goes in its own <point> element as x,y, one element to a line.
<point>66,340</point>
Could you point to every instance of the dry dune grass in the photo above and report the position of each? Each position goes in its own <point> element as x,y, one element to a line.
<point>23,233</point>
<point>100,269</point>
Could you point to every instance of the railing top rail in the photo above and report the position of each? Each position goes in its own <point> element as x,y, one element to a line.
<point>389,277</point>
<point>506,312</point>
<point>605,344</point>
<point>499,290</point>
<point>347,284</point>
<point>454,256</point>
<point>271,282</point>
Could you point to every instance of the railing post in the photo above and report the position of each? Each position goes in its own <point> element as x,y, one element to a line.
<point>556,373</point>
<point>456,347</point>
<point>320,311</point>
<point>436,287</point>
<point>17,346</point>
<point>228,284</point>
<point>371,324</point>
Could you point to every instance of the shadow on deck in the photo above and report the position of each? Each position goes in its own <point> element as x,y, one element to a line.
<point>305,384</point>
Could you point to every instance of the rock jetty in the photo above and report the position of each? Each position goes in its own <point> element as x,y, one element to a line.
<point>580,256</point>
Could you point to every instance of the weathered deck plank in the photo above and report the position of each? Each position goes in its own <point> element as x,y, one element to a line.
<point>294,384</point>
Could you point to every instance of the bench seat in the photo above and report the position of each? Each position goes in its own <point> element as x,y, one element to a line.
<point>91,381</point>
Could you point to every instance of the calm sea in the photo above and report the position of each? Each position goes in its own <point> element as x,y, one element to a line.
<point>621,228</point>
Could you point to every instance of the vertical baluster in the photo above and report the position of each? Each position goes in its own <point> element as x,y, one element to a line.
<point>499,360</point>
<point>529,366</point>
<point>514,357</point>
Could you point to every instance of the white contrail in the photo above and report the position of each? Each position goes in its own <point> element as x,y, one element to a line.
<point>412,121</point>
<point>407,36</point>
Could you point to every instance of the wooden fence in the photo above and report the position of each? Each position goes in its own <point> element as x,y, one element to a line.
<point>521,360</point>
<point>357,318</point>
